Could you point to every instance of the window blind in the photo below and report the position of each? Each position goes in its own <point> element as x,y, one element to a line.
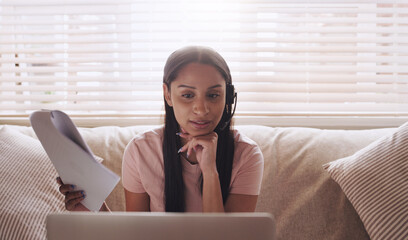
<point>300,63</point>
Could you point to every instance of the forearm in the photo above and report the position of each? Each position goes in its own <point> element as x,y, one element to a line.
<point>212,196</point>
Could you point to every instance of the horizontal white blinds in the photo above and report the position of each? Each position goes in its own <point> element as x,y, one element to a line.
<point>288,58</point>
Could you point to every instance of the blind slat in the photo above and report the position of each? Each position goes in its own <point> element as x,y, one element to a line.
<point>261,106</point>
<point>244,97</point>
<point>244,87</point>
<point>160,60</point>
<point>295,49</point>
<point>127,39</point>
<point>298,68</point>
<point>250,8</point>
<point>290,78</point>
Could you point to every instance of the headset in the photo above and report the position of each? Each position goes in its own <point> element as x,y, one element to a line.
<point>231,98</point>
<point>231,95</point>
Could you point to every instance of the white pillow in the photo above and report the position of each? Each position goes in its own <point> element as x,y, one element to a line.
<point>28,189</point>
<point>375,180</point>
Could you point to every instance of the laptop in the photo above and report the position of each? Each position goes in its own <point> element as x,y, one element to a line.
<point>160,226</point>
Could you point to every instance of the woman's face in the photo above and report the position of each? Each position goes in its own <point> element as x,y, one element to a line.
<point>197,96</point>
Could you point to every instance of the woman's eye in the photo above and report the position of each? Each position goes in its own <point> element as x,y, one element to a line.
<point>213,95</point>
<point>187,95</point>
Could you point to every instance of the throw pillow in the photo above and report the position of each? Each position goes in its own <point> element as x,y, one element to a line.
<point>375,180</point>
<point>28,189</point>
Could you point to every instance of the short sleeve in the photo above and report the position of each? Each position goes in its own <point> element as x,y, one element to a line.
<point>131,180</point>
<point>249,174</point>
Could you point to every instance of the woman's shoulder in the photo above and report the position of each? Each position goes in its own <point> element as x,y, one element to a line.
<point>246,149</point>
<point>149,134</point>
<point>148,138</point>
<point>241,140</point>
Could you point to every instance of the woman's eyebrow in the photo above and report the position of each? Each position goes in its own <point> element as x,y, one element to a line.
<point>186,86</point>
<point>182,85</point>
<point>215,86</point>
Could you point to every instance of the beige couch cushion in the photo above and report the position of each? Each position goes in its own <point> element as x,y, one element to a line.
<point>375,180</point>
<point>305,201</point>
<point>28,189</point>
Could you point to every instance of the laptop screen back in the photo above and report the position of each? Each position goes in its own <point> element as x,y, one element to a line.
<point>155,226</point>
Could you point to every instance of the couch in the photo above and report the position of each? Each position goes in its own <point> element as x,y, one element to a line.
<point>303,198</point>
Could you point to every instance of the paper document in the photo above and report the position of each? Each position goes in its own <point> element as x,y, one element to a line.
<point>72,158</point>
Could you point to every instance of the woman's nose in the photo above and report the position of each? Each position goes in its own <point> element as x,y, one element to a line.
<point>200,107</point>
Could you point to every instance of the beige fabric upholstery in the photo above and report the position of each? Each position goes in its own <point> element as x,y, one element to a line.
<point>375,180</point>
<point>28,190</point>
<point>305,201</point>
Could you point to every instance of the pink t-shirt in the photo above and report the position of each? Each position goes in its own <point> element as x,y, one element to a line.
<point>143,170</point>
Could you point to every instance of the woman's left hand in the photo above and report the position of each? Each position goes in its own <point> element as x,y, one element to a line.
<point>205,147</point>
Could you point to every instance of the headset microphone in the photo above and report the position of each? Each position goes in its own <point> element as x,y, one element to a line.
<point>230,99</point>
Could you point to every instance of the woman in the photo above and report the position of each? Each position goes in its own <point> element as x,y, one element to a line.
<point>196,162</point>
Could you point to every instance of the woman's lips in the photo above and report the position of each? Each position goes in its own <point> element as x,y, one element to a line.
<point>200,124</point>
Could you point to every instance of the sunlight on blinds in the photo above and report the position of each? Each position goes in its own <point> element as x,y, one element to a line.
<point>292,59</point>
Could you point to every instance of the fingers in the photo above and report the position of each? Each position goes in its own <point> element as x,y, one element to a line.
<point>66,188</point>
<point>184,135</point>
<point>193,145</point>
<point>185,148</point>
<point>193,141</point>
<point>72,198</point>
<point>59,181</point>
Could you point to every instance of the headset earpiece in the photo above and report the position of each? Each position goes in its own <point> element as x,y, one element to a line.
<point>231,94</point>
<point>230,98</point>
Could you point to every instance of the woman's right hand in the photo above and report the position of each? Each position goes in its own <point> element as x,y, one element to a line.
<point>72,198</point>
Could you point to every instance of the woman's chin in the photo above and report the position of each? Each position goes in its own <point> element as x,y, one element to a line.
<point>194,132</point>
